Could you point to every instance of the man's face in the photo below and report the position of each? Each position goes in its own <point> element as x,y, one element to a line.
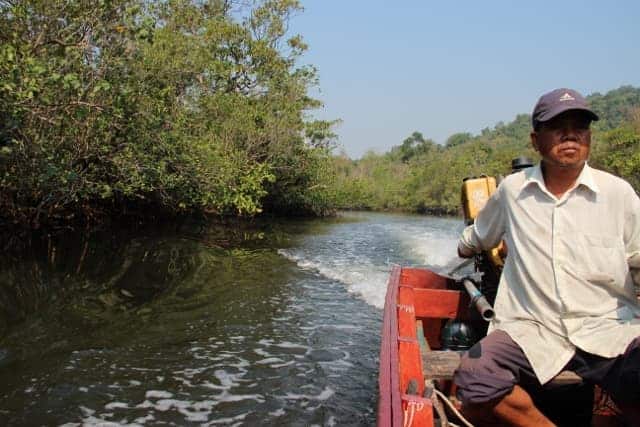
<point>565,140</point>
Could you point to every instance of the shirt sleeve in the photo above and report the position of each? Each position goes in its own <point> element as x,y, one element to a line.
<point>487,230</point>
<point>632,229</point>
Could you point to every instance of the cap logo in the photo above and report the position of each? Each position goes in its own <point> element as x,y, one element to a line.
<point>567,97</point>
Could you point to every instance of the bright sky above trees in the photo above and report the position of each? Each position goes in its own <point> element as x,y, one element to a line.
<point>388,68</point>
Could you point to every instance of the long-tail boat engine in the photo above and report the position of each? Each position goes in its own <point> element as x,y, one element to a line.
<point>488,264</point>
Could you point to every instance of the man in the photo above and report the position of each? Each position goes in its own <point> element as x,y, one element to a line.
<point>566,300</point>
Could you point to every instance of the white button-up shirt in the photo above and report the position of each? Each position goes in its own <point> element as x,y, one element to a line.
<point>566,281</point>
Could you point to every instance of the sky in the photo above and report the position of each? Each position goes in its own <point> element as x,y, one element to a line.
<point>389,68</point>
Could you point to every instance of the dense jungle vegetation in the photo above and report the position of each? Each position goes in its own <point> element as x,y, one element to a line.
<point>148,108</point>
<point>152,109</point>
<point>419,175</point>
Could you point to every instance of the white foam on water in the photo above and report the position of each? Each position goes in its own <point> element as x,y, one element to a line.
<point>183,381</point>
<point>143,420</point>
<point>194,412</point>
<point>116,405</point>
<point>282,365</point>
<point>325,394</point>
<point>435,249</point>
<point>195,416</point>
<point>86,411</point>
<point>231,421</point>
<point>362,278</point>
<point>145,405</point>
<point>225,396</point>
<point>261,352</point>
<point>287,344</point>
<point>164,405</point>
<point>210,385</point>
<point>269,360</point>
<point>158,394</point>
<point>204,404</point>
<point>226,379</point>
<point>240,364</point>
<point>192,372</point>
<point>329,326</point>
<point>339,364</point>
<point>361,256</point>
<point>93,421</point>
<point>134,368</point>
<point>99,422</point>
<point>277,413</point>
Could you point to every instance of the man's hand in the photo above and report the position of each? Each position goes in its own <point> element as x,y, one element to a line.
<point>465,251</point>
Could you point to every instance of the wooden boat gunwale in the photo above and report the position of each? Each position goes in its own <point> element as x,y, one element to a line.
<point>389,402</point>
<point>412,294</point>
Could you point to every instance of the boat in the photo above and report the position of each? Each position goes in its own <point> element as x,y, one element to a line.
<point>422,339</point>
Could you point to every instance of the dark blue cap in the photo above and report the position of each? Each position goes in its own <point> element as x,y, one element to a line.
<point>558,101</point>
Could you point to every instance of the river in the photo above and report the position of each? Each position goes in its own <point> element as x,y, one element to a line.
<point>270,324</point>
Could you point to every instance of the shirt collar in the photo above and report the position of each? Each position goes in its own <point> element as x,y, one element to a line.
<point>534,175</point>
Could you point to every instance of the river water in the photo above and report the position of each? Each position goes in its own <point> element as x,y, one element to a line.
<point>269,324</point>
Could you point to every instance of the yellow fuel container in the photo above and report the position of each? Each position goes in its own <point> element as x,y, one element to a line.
<point>475,193</point>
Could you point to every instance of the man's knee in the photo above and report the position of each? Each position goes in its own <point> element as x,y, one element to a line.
<point>491,368</point>
<point>630,373</point>
<point>481,379</point>
<point>623,379</point>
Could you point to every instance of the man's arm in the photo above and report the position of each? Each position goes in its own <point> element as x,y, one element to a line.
<point>465,251</point>
<point>632,229</point>
<point>487,230</point>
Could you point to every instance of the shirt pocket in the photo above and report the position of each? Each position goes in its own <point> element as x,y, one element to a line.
<point>602,259</point>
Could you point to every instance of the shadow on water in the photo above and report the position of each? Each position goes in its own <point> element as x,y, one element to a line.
<point>185,326</point>
<point>89,281</point>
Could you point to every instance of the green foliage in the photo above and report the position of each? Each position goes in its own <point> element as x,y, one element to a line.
<point>420,176</point>
<point>413,146</point>
<point>616,107</point>
<point>168,107</point>
<point>181,105</point>
<point>618,151</point>
<point>623,158</point>
<point>457,139</point>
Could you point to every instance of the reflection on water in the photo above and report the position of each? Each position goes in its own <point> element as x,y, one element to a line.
<point>272,324</point>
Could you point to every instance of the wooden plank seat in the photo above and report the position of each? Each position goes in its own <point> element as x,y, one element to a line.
<point>439,365</point>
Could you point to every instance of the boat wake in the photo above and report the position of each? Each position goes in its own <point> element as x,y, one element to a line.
<point>362,278</point>
<point>360,254</point>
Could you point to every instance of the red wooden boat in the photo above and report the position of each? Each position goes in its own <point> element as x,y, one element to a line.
<point>415,387</point>
<point>417,303</point>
